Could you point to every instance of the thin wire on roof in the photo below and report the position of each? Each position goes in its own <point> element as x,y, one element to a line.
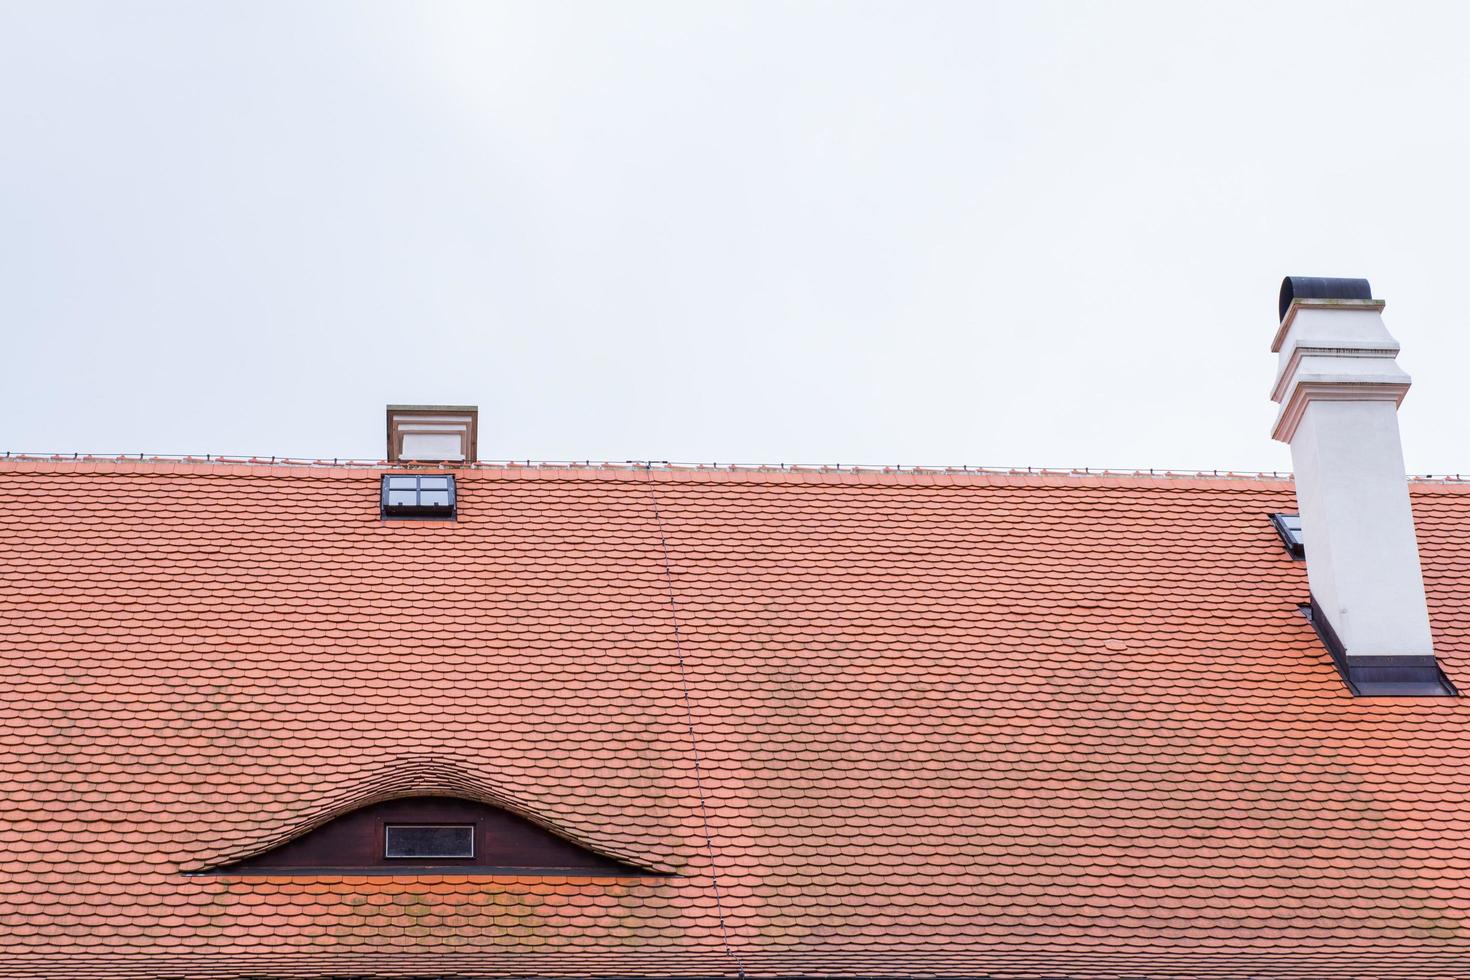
<point>674,466</point>
<point>666,465</point>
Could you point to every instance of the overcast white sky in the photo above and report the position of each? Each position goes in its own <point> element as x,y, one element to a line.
<point>969,233</point>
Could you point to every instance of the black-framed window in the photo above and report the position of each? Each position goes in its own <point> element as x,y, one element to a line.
<point>419,841</point>
<point>416,496</point>
<point>1289,526</point>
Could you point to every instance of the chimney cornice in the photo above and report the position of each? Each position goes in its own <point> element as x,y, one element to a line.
<point>1305,391</point>
<point>1332,349</point>
<point>1352,305</point>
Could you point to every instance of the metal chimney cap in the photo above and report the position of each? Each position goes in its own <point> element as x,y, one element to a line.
<point>1319,287</point>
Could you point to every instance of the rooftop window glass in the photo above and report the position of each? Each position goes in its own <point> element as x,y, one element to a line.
<point>414,841</point>
<point>1289,526</point>
<point>423,497</point>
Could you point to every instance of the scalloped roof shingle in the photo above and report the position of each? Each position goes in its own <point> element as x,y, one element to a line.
<point>873,723</point>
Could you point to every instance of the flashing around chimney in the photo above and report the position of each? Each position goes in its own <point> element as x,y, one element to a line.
<point>1319,287</point>
<point>1369,677</point>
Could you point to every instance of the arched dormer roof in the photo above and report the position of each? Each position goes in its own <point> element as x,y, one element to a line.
<point>439,834</point>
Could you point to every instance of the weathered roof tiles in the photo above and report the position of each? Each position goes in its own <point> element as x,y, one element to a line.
<point>939,722</point>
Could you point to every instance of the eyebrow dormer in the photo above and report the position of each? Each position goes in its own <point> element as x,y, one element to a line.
<point>438,834</point>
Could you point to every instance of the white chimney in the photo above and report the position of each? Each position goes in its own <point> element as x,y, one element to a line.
<point>1339,387</point>
<point>432,433</point>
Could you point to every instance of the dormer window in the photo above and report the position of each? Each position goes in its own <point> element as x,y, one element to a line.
<point>419,841</point>
<point>443,835</point>
<point>409,495</point>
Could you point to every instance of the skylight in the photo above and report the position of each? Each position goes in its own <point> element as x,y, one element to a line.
<point>413,496</point>
<point>1289,526</point>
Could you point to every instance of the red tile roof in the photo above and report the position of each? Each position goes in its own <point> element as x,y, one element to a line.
<point>1040,726</point>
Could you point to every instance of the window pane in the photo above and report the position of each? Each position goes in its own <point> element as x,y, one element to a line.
<point>427,842</point>
<point>412,496</point>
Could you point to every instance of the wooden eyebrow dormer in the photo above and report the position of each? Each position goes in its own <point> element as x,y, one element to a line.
<point>497,842</point>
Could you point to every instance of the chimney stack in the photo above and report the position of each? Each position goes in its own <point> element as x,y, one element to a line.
<point>1339,387</point>
<point>432,433</point>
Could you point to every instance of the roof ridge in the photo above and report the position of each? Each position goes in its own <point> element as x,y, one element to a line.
<point>635,465</point>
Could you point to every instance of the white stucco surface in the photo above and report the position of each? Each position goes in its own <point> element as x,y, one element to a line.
<point>1340,415</point>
